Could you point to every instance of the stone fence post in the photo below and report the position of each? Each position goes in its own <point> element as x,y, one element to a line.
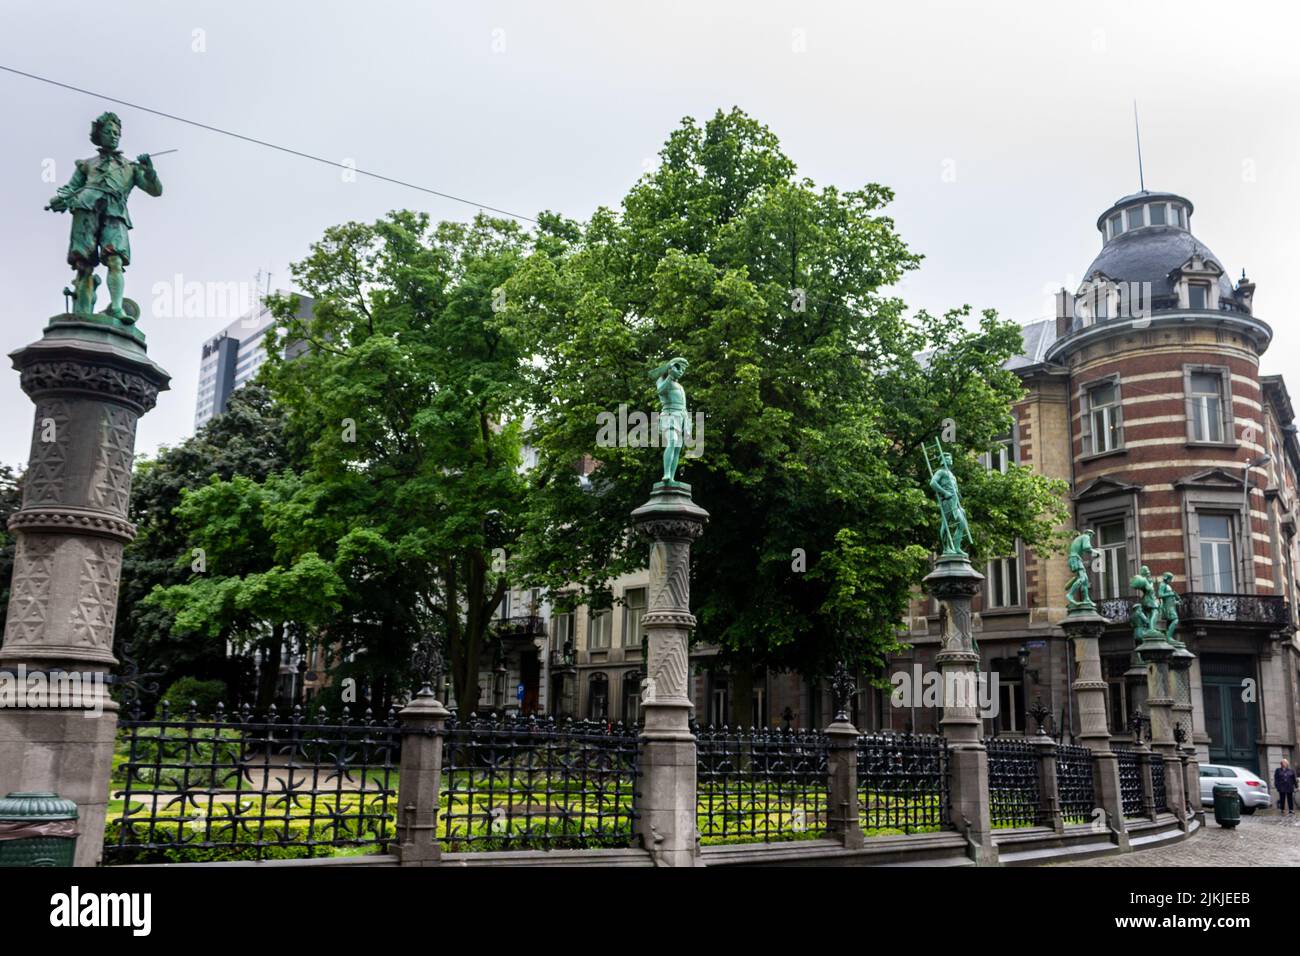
<point>953,582</point>
<point>422,725</point>
<point>1143,752</point>
<point>666,811</point>
<point>842,820</point>
<point>1049,793</point>
<point>91,381</point>
<point>1084,627</point>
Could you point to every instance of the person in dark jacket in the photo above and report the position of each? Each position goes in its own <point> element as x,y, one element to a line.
<point>1284,782</point>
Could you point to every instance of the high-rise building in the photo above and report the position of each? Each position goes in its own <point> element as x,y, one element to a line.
<point>233,356</point>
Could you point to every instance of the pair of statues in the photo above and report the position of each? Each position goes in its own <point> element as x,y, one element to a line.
<point>1154,616</point>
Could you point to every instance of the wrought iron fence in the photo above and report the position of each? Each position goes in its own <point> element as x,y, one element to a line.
<point>760,785</point>
<point>1074,783</point>
<point>537,783</point>
<point>1158,790</point>
<point>1264,609</point>
<point>1130,781</point>
<point>246,787</point>
<point>1013,783</point>
<point>903,783</point>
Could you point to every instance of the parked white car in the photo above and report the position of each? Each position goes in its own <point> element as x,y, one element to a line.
<point>1254,791</point>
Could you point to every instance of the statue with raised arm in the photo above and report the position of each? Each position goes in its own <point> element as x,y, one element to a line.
<point>674,422</point>
<point>1169,602</point>
<point>1080,556</point>
<point>96,195</point>
<point>953,527</point>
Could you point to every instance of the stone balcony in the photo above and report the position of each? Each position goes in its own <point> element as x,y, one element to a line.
<point>1257,610</point>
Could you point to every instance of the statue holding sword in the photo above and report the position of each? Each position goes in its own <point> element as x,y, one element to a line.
<point>96,195</point>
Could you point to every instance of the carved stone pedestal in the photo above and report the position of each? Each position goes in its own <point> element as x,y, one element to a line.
<point>953,582</point>
<point>1085,628</point>
<point>91,381</point>
<point>1160,702</point>
<point>666,809</point>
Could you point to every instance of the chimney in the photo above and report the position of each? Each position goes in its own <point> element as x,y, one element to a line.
<point>1064,313</point>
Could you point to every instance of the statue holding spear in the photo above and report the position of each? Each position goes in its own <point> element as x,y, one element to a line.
<point>953,529</point>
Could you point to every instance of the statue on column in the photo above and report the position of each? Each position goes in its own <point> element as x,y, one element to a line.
<point>1080,556</point>
<point>1143,614</point>
<point>953,527</point>
<point>674,422</point>
<point>96,195</point>
<point>1169,602</point>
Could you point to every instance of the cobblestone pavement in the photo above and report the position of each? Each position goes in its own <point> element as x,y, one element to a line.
<point>1263,839</point>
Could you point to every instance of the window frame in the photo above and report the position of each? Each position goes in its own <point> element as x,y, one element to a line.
<point>627,616</point>
<point>593,616</point>
<point>1018,579</point>
<point>1227,419</point>
<point>1087,437</point>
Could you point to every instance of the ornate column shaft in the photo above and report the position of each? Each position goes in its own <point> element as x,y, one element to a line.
<point>667,806</point>
<point>953,582</point>
<point>91,381</point>
<point>1160,701</point>
<point>1085,627</point>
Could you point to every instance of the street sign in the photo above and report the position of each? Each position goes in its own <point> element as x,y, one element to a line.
<point>519,692</point>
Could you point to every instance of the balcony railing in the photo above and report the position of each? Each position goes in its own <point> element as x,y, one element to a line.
<point>521,628</point>
<point>1270,610</point>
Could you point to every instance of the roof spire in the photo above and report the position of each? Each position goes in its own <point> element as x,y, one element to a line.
<point>1137,131</point>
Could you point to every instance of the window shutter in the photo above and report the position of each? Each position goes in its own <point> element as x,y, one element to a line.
<point>1085,421</point>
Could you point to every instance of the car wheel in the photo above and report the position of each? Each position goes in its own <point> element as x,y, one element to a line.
<point>1248,810</point>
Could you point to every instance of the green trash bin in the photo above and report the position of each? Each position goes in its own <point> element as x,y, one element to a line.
<point>37,829</point>
<point>1227,805</point>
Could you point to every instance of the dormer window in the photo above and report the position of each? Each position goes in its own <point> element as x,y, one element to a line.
<point>1116,225</point>
<point>1182,216</point>
<point>1157,214</point>
<point>1135,218</point>
<point>1198,295</point>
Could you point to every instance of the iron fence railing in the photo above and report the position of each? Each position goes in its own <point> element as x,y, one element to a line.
<point>1013,783</point>
<point>903,783</point>
<point>1158,790</point>
<point>537,783</point>
<point>246,787</point>
<point>1074,783</point>
<point>760,785</point>
<point>1262,609</point>
<point>1130,781</point>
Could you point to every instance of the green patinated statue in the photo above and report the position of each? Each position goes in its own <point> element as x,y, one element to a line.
<point>674,423</point>
<point>96,196</point>
<point>953,528</point>
<point>1169,602</point>
<point>1081,553</point>
<point>1142,616</point>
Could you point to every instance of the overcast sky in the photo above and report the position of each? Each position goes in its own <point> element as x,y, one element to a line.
<point>1005,129</point>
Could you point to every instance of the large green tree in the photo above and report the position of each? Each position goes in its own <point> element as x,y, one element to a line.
<point>815,398</point>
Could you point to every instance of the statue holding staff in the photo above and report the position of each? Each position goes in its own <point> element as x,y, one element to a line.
<point>953,528</point>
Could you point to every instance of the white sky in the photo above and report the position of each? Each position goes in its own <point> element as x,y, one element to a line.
<point>1030,104</point>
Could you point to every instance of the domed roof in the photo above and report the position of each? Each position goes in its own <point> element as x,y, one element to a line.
<point>1150,254</point>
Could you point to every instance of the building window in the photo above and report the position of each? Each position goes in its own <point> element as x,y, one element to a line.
<point>758,714</point>
<point>1217,567</point>
<point>1207,406</point>
<point>562,628</point>
<point>1157,213</point>
<point>1182,216</point>
<point>1112,542</point>
<point>598,696</point>
<point>1002,582</point>
<point>632,698</point>
<point>633,611</point>
<point>601,624</point>
<point>1102,431</point>
<point>720,702</point>
<point>1135,218</point>
<point>1116,225</point>
<point>1198,295</point>
<point>1003,455</point>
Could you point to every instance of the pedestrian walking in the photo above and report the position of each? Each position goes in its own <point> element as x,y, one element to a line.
<point>1284,782</point>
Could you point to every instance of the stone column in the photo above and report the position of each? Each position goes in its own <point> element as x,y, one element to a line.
<point>1160,699</point>
<point>1180,667</point>
<point>1085,627</point>
<point>422,724</point>
<point>666,810</point>
<point>953,582</point>
<point>91,381</point>
<point>843,822</point>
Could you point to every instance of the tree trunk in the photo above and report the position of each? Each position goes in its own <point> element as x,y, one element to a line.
<point>270,675</point>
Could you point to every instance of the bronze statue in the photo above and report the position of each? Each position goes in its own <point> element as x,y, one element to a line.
<point>96,195</point>
<point>1142,616</point>
<point>954,530</point>
<point>674,421</point>
<point>1169,602</point>
<point>1081,552</point>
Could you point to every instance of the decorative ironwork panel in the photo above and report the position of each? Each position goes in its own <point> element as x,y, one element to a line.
<point>513,783</point>
<point>247,788</point>
<point>1158,783</point>
<point>1074,783</point>
<point>1013,783</point>
<point>1266,609</point>
<point>1130,781</point>
<point>760,785</point>
<point>903,783</point>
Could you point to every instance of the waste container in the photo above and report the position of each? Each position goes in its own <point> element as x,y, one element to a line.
<point>37,829</point>
<point>1227,805</point>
